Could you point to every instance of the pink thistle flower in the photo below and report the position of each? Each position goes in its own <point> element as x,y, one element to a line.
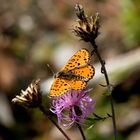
<point>72,107</point>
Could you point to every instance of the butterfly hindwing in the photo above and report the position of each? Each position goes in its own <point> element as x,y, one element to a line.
<point>86,72</point>
<point>76,84</point>
<point>59,87</point>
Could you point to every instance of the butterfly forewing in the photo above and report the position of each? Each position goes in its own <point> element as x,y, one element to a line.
<point>81,58</point>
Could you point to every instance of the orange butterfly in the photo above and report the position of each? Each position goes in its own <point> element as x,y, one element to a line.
<point>74,75</point>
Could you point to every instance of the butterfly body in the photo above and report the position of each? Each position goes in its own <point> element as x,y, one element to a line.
<point>74,75</point>
<point>66,75</point>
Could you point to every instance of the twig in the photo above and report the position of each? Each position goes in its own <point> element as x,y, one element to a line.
<point>47,114</point>
<point>103,70</point>
<point>81,131</point>
<point>87,30</point>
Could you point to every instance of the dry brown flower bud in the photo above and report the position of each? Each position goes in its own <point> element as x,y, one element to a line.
<point>87,28</point>
<point>31,97</point>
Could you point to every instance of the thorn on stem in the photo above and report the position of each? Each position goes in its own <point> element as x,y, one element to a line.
<point>109,115</point>
<point>102,69</point>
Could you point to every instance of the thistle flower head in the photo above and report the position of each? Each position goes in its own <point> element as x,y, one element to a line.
<point>87,28</point>
<point>72,107</point>
<point>31,97</point>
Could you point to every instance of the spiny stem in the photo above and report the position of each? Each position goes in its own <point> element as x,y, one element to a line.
<point>81,131</point>
<point>103,70</point>
<point>47,114</point>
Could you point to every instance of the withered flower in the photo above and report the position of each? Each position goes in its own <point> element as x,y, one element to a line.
<point>31,97</point>
<point>87,28</point>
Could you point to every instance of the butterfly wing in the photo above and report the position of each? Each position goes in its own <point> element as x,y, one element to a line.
<point>77,65</point>
<point>81,58</point>
<point>59,87</point>
<point>86,72</point>
<point>76,84</point>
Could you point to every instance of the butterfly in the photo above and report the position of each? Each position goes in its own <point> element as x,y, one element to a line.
<point>74,75</point>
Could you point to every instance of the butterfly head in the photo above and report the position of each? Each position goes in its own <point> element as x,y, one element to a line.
<point>59,74</point>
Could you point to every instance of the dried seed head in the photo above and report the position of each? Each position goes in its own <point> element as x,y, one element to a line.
<point>31,97</point>
<point>88,27</point>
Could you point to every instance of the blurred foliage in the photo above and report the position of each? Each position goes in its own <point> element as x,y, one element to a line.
<point>131,21</point>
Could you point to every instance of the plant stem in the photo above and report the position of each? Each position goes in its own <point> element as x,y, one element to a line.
<point>81,131</point>
<point>103,70</point>
<point>47,114</point>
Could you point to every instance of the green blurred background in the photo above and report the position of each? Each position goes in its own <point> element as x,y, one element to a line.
<point>35,33</point>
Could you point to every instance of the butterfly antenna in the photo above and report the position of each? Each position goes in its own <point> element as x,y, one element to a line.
<point>50,68</point>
